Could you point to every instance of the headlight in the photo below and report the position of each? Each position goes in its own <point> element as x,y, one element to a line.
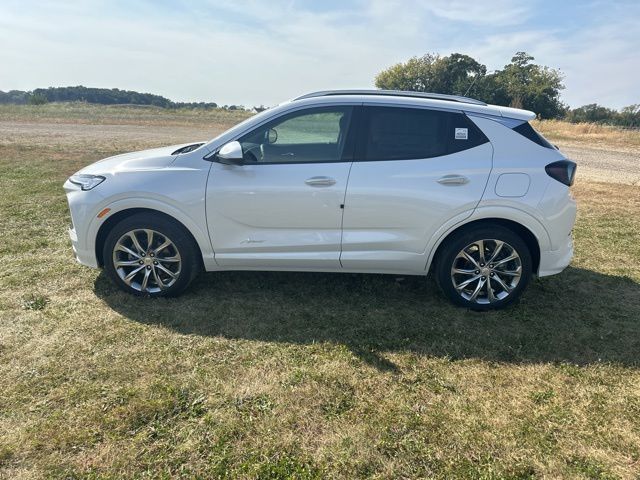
<point>86,182</point>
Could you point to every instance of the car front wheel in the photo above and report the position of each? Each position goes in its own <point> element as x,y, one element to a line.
<point>150,255</point>
<point>484,268</point>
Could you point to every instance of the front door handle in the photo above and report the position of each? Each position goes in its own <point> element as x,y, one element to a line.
<point>453,180</point>
<point>320,181</point>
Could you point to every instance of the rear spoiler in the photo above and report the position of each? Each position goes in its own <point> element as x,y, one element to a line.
<point>517,113</point>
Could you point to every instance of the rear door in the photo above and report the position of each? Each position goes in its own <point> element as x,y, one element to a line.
<point>413,170</point>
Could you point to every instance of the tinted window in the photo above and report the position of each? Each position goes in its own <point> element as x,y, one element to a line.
<point>411,133</point>
<point>526,130</point>
<point>312,135</point>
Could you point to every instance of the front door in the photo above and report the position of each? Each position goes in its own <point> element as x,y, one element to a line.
<point>283,207</point>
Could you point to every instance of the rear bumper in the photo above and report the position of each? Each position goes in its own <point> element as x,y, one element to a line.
<point>555,261</point>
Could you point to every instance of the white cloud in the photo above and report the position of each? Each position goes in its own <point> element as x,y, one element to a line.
<point>603,65</point>
<point>489,13</point>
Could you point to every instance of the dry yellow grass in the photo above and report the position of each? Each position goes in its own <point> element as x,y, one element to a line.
<point>280,375</point>
<point>90,114</point>
<point>588,133</point>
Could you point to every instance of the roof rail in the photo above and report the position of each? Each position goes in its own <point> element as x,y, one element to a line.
<point>394,93</point>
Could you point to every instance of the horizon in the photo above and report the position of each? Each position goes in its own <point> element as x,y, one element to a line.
<point>178,50</point>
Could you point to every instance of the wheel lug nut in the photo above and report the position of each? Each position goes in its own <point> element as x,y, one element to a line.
<point>492,274</point>
<point>477,271</point>
<point>482,264</point>
<point>148,267</point>
<point>151,254</point>
<point>140,262</point>
<point>155,263</point>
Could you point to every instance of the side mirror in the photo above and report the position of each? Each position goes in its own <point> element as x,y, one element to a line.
<point>231,154</point>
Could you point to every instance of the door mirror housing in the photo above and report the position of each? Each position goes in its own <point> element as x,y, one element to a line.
<point>231,154</point>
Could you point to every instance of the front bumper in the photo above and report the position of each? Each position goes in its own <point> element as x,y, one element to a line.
<point>83,256</point>
<point>81,207</point>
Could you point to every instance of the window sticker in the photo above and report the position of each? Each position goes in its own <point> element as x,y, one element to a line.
<point>462,133</point>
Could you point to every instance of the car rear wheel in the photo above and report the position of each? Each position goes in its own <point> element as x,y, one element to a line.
<point>150,255</point>
<point>484,268</point>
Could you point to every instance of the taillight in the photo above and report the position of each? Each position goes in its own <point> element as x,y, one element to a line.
<point>563,171</point>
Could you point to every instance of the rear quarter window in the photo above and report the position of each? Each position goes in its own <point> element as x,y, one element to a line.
<point>396,133</point>
<point>526,130</point>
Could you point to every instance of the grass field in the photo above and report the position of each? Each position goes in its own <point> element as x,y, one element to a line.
<point>282,375</point>
<point>590,133</point>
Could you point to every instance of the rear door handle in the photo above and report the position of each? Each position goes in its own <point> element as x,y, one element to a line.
<point>320,181</point>
<point>453,180</point>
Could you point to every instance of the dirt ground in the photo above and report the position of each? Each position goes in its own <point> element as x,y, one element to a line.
<point>81,134</point>
<point>604,164</point>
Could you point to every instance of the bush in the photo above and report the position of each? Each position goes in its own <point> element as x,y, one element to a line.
<point>37,99</point>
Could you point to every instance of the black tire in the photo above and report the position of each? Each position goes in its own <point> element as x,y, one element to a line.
<point>466,237</point>
<point>183,243</point>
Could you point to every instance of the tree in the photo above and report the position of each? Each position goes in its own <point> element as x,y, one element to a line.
<point>530,86</point>
<point>516,78</point>
<point>521,83</point>
<point>630,116</point>
<point>432,73</point>
<point>459,73</point>
<point>592,113</point>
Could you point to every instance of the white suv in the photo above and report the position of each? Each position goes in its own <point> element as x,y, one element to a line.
<point>338,181</point>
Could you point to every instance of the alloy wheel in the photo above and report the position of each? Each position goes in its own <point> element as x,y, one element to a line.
<point>147,260</point>
<point>486,271</point>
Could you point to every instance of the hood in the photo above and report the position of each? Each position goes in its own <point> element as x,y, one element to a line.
<point>143,160</point>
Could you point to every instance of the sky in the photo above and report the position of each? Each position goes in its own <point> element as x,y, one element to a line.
<point>264,52</point>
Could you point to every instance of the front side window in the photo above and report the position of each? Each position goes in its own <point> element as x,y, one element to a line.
<point>311,135</point>
<point>395,133</point>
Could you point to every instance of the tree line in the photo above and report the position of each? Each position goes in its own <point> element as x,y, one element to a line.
<point>103,96</point>
<point>593,113</point>
<point>521,84</point>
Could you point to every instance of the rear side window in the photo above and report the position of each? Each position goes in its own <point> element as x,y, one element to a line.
<point>526,130</point>
<point>392,133</point>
